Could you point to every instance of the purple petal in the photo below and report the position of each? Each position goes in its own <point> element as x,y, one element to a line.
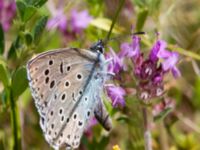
<point>157,79</point>
<point>158,46</point>
<point>117,63</point>
<point>1,4</point>
<point>80,20</point>
<point>130,50</point>
<point>7,13</point>
<point>171,61</point>
<point>176,72</point>
<point>125,50</point>
<point>117,95</point>
<point>58,21</point>
<point>164,54</point>
<point>136,45</point>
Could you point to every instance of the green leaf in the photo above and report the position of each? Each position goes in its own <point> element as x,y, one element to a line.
<point>196,97</point>
<point>140,3</point>
<point>29,12</point>
<point>40,3</point>
<point>123,119</point>
<point>154,5</point>
<point>4,77</point>
<point>162,115</point>
<point>39,28</point>
<point>1,40</point>
<point>12,52</point>
<point>21,7</point>
<point>19,82</point>
<point>103,143</point>
<point>28,38</point>
<point>25,11</point>
<point>4,96</point>
<point>14,46</point>
<point>141,18</point>
<point>36,3</point>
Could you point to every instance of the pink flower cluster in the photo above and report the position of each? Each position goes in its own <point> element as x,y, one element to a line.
<point>149,72</point>
<point>7,13</point>
<point>76,22</point>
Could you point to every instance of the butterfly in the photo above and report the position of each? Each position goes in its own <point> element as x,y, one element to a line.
<point>67,85</point>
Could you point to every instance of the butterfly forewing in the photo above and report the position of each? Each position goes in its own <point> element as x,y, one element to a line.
<point>63,93</point>
<point>50,66</point>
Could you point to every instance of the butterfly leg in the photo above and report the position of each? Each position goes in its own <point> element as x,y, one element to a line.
<point>110,75</point>
<point>102,115</point>
<point>108,61</point>
<point>105,75</point>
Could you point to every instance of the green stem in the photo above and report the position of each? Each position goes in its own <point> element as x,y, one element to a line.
<point>14,121</point>
<point>147,132</point>
<point>115,19</point>
<point>163,136</point>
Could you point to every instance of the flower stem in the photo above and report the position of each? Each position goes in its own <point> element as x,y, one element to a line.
<point>163,136</point>
<point>115,19</point>
<point>147,132</point>
<point>16,137</point>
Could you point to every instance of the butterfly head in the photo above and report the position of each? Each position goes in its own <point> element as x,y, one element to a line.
<point>98,47</point>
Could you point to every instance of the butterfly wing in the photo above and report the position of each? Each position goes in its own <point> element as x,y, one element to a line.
<point>65,88</point>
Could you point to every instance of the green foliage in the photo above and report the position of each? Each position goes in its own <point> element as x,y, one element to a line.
<point>39,28</point>
<point>19,82</point>
<point>162,115</point>
<point>12,52</point>
<point>26,11</point>
<point>28,38</point>
<point>4,77</point>
<point>36,3</point>
<point>1,40</point>
<point>196,98</point>
<point>28,8</point>
<point>96,144</point>
<point>142,16</point>
<point>140,3</point>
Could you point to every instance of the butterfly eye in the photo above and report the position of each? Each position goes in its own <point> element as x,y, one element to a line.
<point>100,49</point>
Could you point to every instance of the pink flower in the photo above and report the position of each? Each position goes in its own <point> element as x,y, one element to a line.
<point>58,21</point>
<point>68,25</point>
<point>170,58</point>
<point>80,20</point>
<point>116,64</point>
<point>130,50</point>
<point>7,13</point>
<point>170,64</point>
<point>158,47</point>
<point>116,94</point>
<point>149,71</point>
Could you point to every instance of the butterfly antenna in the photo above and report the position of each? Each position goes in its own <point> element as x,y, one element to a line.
<point>123,36</point>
